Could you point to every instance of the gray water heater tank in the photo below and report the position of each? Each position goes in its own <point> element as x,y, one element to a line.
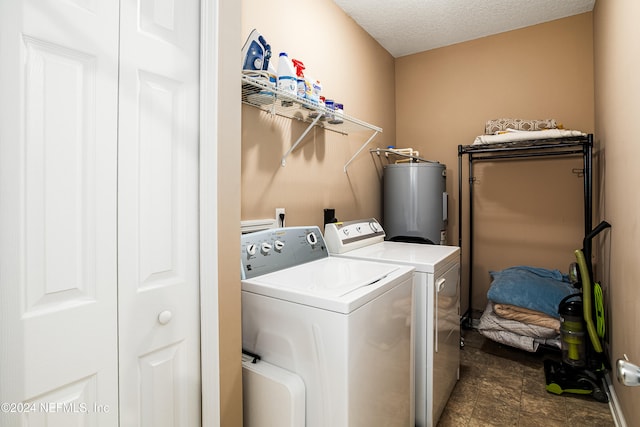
<point>415,202</point>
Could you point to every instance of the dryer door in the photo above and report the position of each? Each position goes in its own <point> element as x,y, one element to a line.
<point>446,361</point>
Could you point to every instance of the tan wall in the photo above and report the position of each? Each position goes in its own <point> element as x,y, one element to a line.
<point>354,70</point>
<point>617,108</point>
<point>526,212</point>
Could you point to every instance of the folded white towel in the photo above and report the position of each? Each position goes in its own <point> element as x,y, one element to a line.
<point>526,135</point>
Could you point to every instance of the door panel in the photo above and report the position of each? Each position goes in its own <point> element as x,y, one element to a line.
<point>161,253</point>
<point>158,214</point>
<point>59,251</point>
<point>58,211</point>
<point>59,148</point>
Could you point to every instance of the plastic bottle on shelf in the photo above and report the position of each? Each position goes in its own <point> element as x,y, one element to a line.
<point>330,105</point>
<point>322,105</point>
<point>315,91</point>
<point>287,80</point>
<point>337,114</point>
<point>308,90</point>
<point>301,86</point>
<point>319,103</point>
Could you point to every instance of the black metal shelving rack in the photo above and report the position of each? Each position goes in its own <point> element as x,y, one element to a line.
<point>566,146</point>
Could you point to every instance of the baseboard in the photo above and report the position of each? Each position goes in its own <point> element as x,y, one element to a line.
<point>614,405</point>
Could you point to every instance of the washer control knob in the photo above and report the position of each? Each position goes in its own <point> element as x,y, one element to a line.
<point>312,239</point>
<point>374,226</point>
<point>265,248</point>
<point>251,249</point>
<point>278,245</point>
<point>345,231</point>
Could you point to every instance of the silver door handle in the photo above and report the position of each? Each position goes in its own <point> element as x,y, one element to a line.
<point>628,373</point>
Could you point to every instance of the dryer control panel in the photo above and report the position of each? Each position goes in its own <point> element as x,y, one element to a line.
<point>346,236</point>
<point>275,249</point>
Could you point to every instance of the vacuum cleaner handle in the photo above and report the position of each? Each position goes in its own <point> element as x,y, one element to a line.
<point>603,225</point>
<point>586,245</point>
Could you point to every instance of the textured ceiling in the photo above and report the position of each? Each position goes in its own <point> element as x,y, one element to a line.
<point>404,27</point>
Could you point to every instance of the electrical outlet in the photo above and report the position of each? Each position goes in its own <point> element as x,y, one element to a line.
<point>280,217</point>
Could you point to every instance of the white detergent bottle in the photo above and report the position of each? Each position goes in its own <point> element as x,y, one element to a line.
<point>287,79</point>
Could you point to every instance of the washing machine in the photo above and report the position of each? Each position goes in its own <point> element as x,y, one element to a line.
<point>344,326</point>
<point>437,305</point>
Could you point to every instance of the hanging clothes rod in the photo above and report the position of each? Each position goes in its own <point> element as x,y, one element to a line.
<point>395,153</point>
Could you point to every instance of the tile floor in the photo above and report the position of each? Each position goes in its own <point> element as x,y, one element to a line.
<point>503,386</point>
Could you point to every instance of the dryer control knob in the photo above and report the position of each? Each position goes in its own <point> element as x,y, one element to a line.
<point>312,239</point>
<point>265,248</point>
<point>278,245</point>
<point>374,226</point>
<point>251,249</point>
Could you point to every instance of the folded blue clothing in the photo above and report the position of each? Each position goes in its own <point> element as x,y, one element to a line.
<point>535,288</point>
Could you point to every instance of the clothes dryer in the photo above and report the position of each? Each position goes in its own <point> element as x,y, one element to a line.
<point>342,325</point>
<point>437,305</point>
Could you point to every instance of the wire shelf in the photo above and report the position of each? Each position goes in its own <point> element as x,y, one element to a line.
<point>259,93</point>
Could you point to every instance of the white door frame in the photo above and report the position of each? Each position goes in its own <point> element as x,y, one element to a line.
<point>209,337</point>
<point>219,116</point>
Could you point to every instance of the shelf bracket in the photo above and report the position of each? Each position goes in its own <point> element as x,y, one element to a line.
<point>283,162</point>
<point>360,149</point>
<point>257,92</point>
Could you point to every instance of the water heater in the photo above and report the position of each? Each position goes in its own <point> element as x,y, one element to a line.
<point>415,202</point>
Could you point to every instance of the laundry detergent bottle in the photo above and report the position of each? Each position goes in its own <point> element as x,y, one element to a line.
<point>287,80</point>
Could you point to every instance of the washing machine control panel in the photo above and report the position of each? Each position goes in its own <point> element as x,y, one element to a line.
<point>345,236</point>
<point>271,250</point>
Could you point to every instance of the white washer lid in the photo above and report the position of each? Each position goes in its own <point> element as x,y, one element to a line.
<point>333,283</point>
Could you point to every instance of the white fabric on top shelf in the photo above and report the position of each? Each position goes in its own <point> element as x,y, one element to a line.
<point>512,136</point>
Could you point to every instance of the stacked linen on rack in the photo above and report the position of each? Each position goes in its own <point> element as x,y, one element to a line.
<point>524,315</point>
<point>523,307</point>
<point>515,333</point>
<point>499,131</point>
<point>517,135</point>
<point>495,126</point>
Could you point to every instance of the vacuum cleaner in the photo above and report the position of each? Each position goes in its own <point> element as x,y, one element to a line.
<point>583,365</point>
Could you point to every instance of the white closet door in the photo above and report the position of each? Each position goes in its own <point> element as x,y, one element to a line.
<point>158,277</point>
<point>58,141</point>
